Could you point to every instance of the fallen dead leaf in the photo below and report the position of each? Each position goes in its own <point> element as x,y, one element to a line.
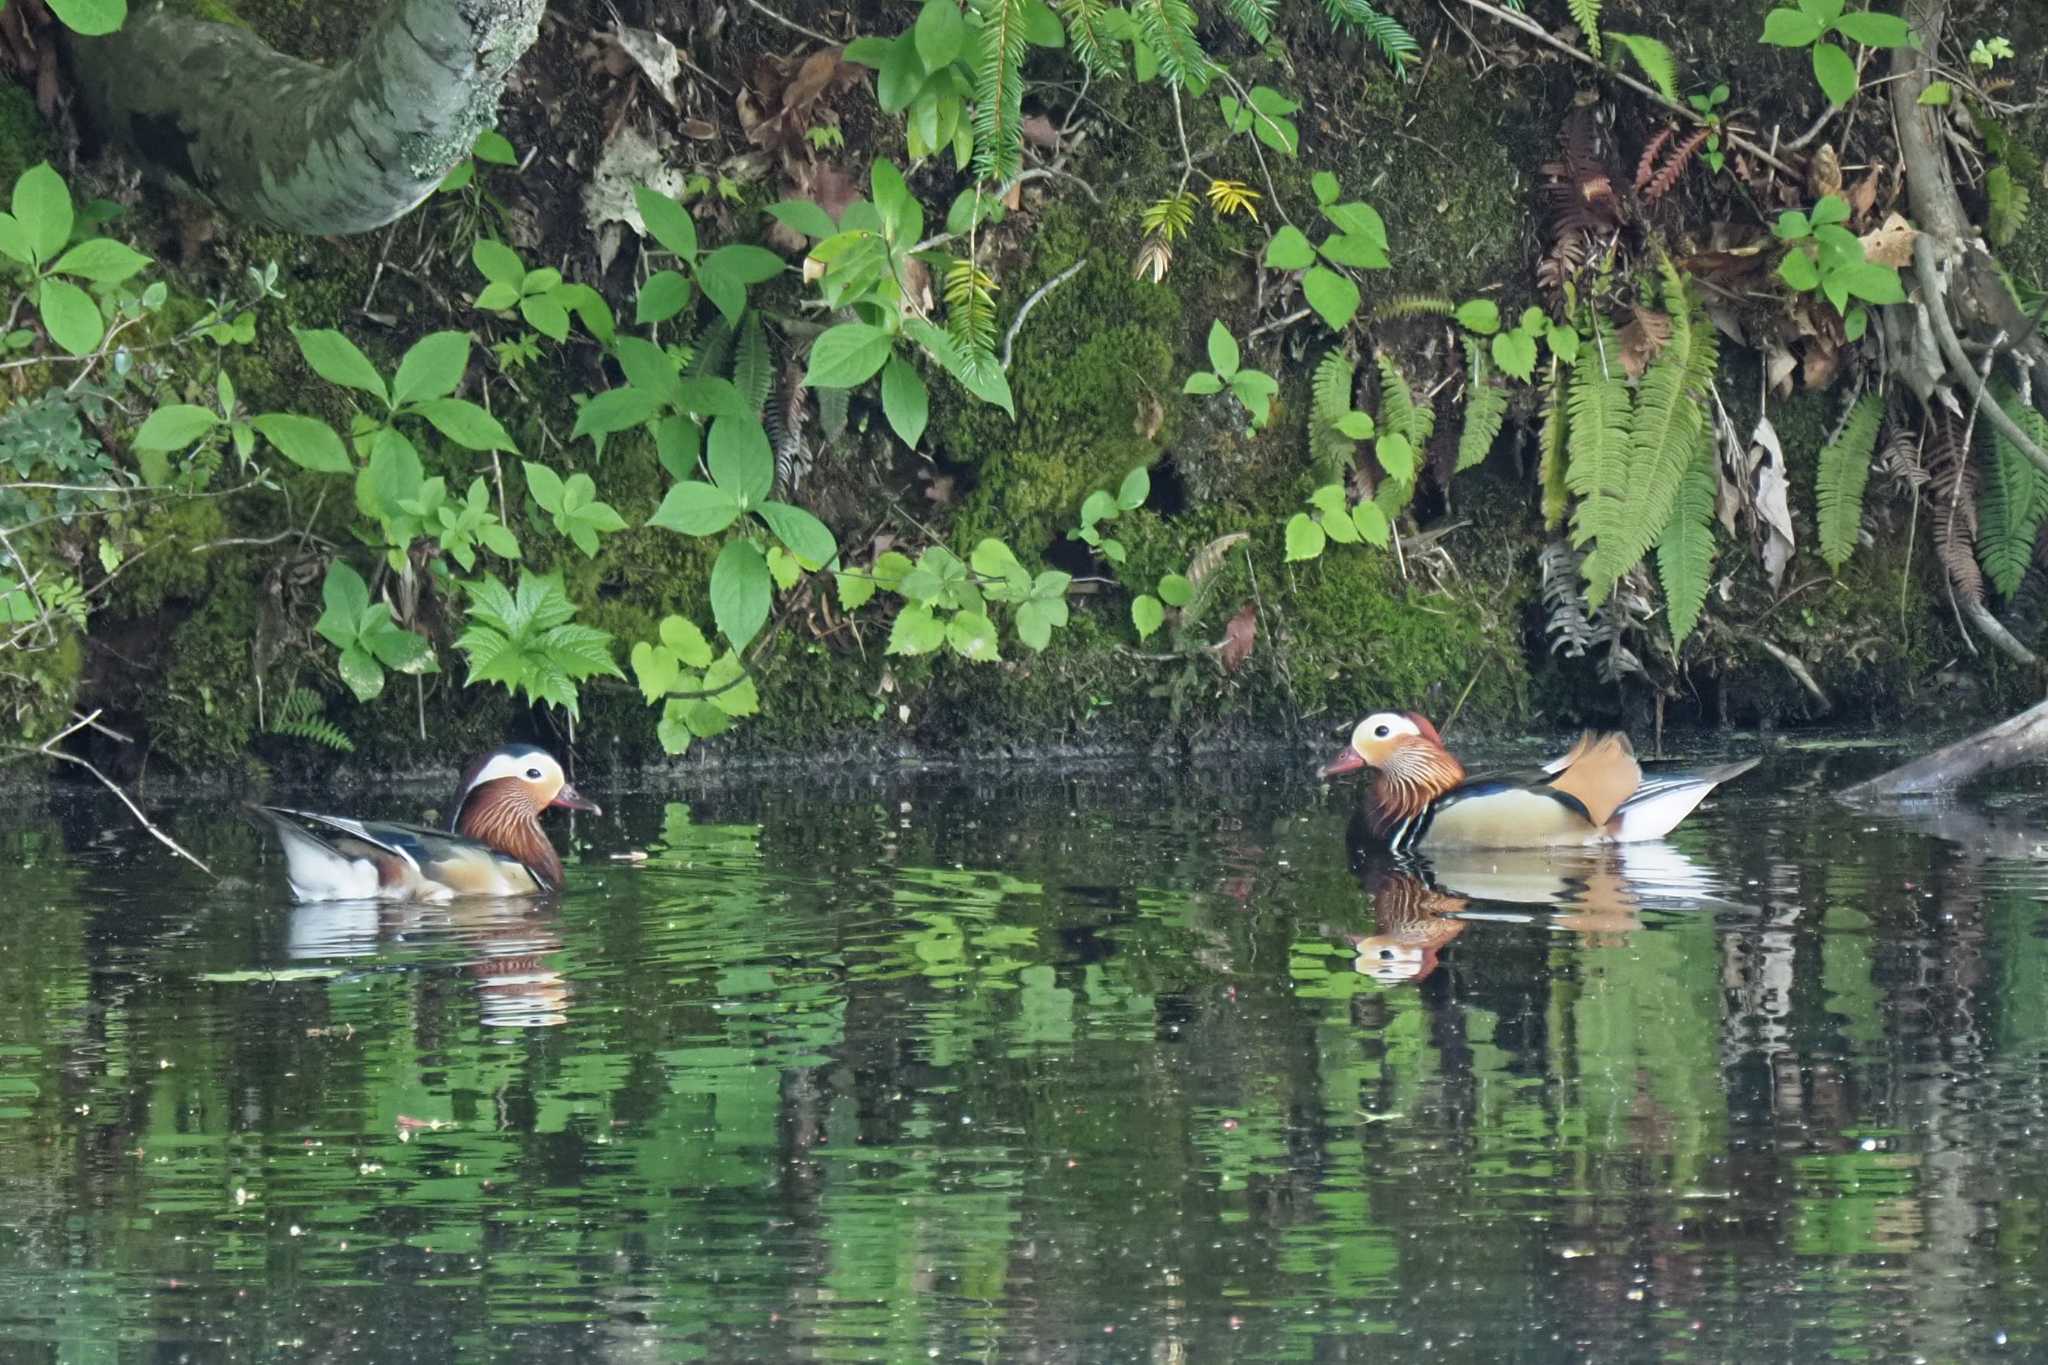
<point>1646,334</point>
<point>1890,243</point>
<point>1039,131</point>
<point>1149,417</point>
<point>1863,194</point>
<point>1772,504</point>
<point>1824,172</point>
<point>654,55</point>
<point>629,158</point>
<point>1238,637</point>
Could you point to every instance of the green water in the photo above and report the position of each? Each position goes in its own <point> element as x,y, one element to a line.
<point>1127,1063</point>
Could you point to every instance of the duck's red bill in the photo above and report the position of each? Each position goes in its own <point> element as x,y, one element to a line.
<point>570,799</point>
<point>1349,761</point>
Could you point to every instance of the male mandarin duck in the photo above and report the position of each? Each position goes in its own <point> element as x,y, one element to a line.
<point>496,847</point>
<point>1421,799</point>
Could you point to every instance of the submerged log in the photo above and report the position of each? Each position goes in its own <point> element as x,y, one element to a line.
<point>2022,739</point>
<point>266,137</point>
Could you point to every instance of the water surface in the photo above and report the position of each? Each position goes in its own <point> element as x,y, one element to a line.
<point>1124,1064</point>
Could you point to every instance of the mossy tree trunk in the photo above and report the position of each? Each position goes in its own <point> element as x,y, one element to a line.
<point>263,136</point>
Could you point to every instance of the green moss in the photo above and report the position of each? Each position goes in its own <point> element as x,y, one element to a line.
<point>1090,360</point>
<point>205,712</point>
<point>24,137</point>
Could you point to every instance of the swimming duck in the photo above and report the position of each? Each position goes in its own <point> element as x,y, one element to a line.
<point>494,845</point>
<point>1596,793</point>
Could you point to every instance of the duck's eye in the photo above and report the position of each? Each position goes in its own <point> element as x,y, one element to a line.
<point>1386,954</point>
<point>1381,732</point>
<point>533,774</point>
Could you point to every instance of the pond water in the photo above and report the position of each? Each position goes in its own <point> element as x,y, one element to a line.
<point>1118,1063</point>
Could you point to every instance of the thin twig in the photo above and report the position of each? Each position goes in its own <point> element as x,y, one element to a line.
<point>1017,322</point>
<point>760,8</point>
<point>48,749</point>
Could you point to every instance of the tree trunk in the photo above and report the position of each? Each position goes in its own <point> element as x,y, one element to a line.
<point>2022,739</point>
<point>268,137</point>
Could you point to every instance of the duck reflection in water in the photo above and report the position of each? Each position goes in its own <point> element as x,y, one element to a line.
<point>513,940</point>
<point>1420,905</point>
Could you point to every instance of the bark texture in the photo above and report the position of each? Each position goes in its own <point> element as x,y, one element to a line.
<point>2022,739</point>
<point>264,136</point>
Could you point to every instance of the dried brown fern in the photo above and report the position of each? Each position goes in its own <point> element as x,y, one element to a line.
<point>1666,176</point>
<point>1951,492</point>
<point>1647,166</point>
<point>1579,202</point>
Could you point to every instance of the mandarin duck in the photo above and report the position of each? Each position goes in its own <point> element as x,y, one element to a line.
<point>1421,799</point>
<point>494,845</point>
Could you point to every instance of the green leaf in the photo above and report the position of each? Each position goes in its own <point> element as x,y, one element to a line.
<point>70,316</point>
<point>739,696</point>
<point>1832,208</point>
<point>1136,487</point>
<point>1202,382</point>
<point>1479,315</point>
<point>977,371</point>
<point>693,508</point>
<point>304,441</point>
<point>1223,353</point>
<point>1515,353</point>
<point>916,631</point>
<point>493,147</point>
<point>1147,615</point>
<point>1936,93</point>
<point>432,368</point>
<point>905,400</point>
<point>1799,271</point>
<point>496,298</point>
<point>91,18</point>
<point>1372,524</point>
<point>655,669</point>
<point>14,240</point>
<point>101,260</point>
<point>1835,71</point>
<point>1034,623</point>
<point>725,290</point>
<point>175,427</point>
<point>498,263</point>
<point>846,355</point>
<point>1175,590</point>
<point>740,458</point>
<point>1790,28</point>
<point>808,538</point>
<point>466,424</point>
<point>668,222</point>
<point>546,316</point>
<point>1396,455</point>
<point>1871,282</point>
<point>42,205</point>
<point>680,634</point>
<point>1098,506</point>
<point>615,410</point>
<point>804,215</point>
<point>1255,389</point>
<point>647,367</point>
<point>665,294</point>
<point>545,485</point>
<point>1655,59</point>
<point>362,673</point>
<point>1289,250</point>
<point>676,442</point>
<point>855,590</point>
<point>749,265</point>
<point>973,637</point>
<point>1334,298</point>
<point>337,360</point>
<point>673,729</point>
<point>741,592</point>
<point>1873,29</point>
<point>1305,539</point>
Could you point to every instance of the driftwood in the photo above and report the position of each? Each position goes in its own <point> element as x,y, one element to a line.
<point>2022,739</point>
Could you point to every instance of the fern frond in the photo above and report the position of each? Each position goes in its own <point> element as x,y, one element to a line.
<point>1399,410</point>
<point>1169,27</point>
<point>1596,444</point>
<point>1550,466</point>
<point>1234,196</point>
<point>1951,490</point>
<point>1685,547</point>
<point>714,349</point>
<point>299,716</point>
<point>1486,408</point>
<point>1417,305</point>
<point>970,305</point>
<point>1330,450</point>
<point>1653,57</point>
<point>1170,216</point>
<point>2009,201</point>
<point>2014,497</point>
<point>1666,177</point>
<point>1092,46</point>
<point>1395,43</point>
<point>1666,431</point>
<point>1586,14</point>
<point>1253,16</point>
<point>999,90</point>
<point>753,369</point>
<point>1839,483</point>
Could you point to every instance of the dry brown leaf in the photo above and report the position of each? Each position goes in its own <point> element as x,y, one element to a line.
<point>655,56</point>
<point>1646,334</point>
<point>1149,417</point>
<point>811,79</point>
<point>703,130</point>
<point>1824,172</point>
<point>1890,243</point>
<point>1238,638</point>
<point>1209,558</point>
<point>1863,194</point>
